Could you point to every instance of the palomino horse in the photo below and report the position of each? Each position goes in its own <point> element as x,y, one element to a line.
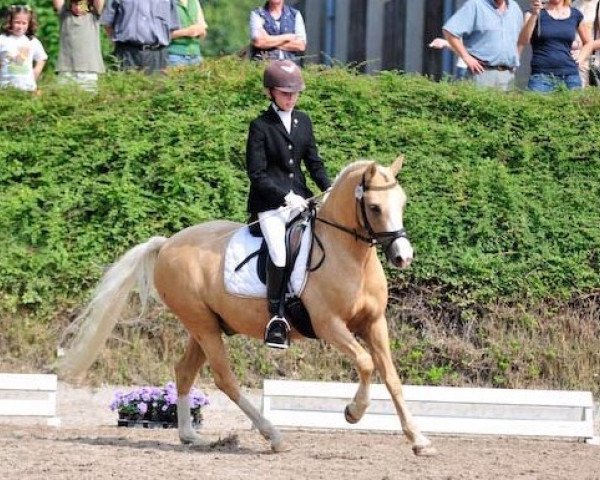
<point>345,296</point>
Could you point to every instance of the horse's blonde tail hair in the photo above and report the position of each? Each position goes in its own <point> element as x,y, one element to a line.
<point>97,321</point>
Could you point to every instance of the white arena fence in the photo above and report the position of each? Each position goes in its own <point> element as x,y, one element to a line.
<point>440,410</point>
<point>28,396</point>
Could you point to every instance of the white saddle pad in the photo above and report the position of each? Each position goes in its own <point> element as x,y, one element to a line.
<point>245,281</point>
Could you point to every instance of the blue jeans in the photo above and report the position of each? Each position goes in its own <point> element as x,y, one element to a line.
<point>184,60</point>
<point>543,82</point>
<point>461,73</point>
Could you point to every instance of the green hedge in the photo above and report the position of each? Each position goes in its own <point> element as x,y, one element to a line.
<point>503,189</point>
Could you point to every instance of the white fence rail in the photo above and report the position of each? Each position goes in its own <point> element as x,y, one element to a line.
<point>28,395</point>
<point>448,410</point>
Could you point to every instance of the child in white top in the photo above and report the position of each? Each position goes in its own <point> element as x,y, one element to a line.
<point>22,56</point>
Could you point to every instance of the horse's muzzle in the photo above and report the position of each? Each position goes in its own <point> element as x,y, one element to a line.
<point>400,252</point>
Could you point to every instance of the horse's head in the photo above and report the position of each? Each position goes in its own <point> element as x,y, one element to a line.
<point>381,202</point>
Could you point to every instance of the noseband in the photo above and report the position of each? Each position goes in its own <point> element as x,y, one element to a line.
<point>373,238</point>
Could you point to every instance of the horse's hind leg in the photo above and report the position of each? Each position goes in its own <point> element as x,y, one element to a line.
<point>227,382</point>
<point>378,341</point>
<point>185,373</point>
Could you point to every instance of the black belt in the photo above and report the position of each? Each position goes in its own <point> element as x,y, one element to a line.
<point>500,68</point>
<point>141,46</point>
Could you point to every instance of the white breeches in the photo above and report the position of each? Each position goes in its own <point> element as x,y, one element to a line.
<point>272,225</point>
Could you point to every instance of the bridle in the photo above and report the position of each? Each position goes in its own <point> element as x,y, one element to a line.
<point>373,238</point>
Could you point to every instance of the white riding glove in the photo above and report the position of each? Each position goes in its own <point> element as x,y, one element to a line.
<point>295,201</point>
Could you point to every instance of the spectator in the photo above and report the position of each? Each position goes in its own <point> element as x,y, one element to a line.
<point>185,43</point>
<point>589,8</point>
<point>461,67</point>
<point>22,56</point>
<point>277,32</point>
<point>551,31</point>
<point>484,34</point>
<point>141,32</point>
<point>586,51</point>
<point>79,53</point>
<point>278,141</point>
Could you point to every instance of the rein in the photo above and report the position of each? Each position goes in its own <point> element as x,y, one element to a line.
<point>352,231</point>
<point>374,238</point>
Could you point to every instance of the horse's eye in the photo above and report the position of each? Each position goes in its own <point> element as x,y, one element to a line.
<point>376,209</point>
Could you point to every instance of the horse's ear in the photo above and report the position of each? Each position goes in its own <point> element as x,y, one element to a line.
<point>371,171</point>
<point>397,165</point>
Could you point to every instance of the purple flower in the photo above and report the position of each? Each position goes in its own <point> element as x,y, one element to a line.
<point>171,398</point>
<point>117,400</point>
<point>152,401</point>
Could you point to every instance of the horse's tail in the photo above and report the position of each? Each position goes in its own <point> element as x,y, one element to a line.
<point>97,321</point>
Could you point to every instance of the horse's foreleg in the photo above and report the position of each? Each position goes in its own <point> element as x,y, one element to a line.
<point>185,374</point>
<point>378,341</point>
<point>340,336</point>
<point>226,381</point>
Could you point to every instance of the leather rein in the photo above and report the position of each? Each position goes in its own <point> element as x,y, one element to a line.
<point>373,238</point>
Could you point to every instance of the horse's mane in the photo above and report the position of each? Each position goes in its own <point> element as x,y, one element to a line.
<point>351,167</point>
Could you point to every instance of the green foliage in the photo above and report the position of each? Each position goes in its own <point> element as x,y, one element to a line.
<point>503,196</point>
<point>228,30</point>
<point>503,188</point>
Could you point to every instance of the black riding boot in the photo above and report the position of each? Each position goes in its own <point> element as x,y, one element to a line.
<point>276,333</point>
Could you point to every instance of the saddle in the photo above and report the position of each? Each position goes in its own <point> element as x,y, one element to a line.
<point>295,311</point>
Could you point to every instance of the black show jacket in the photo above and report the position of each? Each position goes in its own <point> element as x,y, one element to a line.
<point>273,160</point>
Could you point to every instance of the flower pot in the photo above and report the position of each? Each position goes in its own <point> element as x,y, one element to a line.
<point>141,423</point>
<point>154,407</point>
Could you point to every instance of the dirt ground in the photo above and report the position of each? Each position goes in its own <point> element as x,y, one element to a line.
<point>88,445</point>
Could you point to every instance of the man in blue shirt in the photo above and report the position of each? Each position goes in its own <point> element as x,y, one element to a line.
<point>484,33</point>
<point>141,31</point>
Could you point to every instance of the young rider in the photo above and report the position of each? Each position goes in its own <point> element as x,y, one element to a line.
<point>279,140</point>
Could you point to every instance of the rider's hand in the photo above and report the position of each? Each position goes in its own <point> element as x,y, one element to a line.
<point>295,201</point>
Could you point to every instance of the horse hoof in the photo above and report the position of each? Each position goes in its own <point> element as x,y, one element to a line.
<point>194,440</point>
<point>349,417</point>
<point>281,447</point>
<point>424,450</point>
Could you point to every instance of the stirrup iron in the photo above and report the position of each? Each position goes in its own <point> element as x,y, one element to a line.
<point>276,333</point>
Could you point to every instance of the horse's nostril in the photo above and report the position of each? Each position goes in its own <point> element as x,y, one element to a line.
<point>402,262</point>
